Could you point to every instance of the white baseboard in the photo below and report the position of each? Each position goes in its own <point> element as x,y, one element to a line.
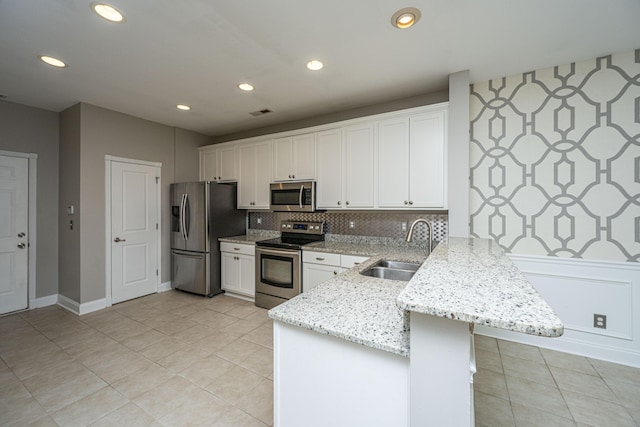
<point>164,287</point>
<point>239,296</point>
<point>576,289</point>
<point>84,308</point>
<point>43,301</point>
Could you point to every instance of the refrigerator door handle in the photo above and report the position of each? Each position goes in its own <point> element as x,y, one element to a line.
<point>182,212</point>
<point>187,216</point>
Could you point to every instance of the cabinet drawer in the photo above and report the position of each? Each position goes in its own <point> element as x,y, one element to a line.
<point>237,248</point>
<point>322,258</point>
<point>350,261</point>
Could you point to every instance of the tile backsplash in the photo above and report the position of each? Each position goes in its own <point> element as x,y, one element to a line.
<point>381,224</point>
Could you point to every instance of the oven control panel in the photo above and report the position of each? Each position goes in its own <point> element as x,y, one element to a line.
<point>302,227</point>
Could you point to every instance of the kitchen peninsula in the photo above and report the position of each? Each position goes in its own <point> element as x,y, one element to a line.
<point>370,351</point>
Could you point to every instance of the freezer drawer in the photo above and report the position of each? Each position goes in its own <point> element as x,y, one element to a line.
<point>190,272</point>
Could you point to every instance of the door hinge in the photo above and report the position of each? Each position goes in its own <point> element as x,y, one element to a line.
<point>157,179</point>
<point>156,225</point>
<point>156,271</point>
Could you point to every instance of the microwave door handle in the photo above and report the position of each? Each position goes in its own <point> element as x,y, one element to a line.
<point>300,198</point>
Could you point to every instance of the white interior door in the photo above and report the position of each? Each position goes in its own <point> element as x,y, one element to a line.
<point>134,230</point>
<point>14,196</point>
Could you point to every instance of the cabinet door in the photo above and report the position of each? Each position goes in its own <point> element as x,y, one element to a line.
<point>304,156</point>
<point>209,165</point>
<point>427,146</point>
<point>314,274</point>
<point>246,177</point>
<point>230,272</point>
<point>393,163</point>
<point>359,152</point>
<point>227,164</point>
<point>283,159</point>
<point>247,268</point>
<point>329,160</point>
<point>263,176</point>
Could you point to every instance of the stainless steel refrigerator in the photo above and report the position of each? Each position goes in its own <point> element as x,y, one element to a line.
<point>201,212</point>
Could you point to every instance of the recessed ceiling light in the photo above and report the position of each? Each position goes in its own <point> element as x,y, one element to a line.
<point>183,107</point>
<point>315,65</point>
<point>245,87</point>
<point>55,62</point>
<point>406,17</point>
<point>107,12</point>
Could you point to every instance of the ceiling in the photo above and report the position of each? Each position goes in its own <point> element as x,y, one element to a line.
<point>196,52</point>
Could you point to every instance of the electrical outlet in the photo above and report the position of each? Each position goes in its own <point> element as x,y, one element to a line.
<point>259,220</point>
<point>403,226</point>
<point>352,224</point>
<point>600,321</point>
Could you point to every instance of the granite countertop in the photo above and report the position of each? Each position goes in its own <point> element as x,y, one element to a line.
<point>251,238</point>
<point>470,280</point>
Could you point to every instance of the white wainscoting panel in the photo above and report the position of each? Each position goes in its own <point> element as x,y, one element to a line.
<point>576,290</point>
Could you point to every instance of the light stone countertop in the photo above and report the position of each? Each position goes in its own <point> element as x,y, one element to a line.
<point>251,238</point>
<point>464,279</point>
<point>472,280</point>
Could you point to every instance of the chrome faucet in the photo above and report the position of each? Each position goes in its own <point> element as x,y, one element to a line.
<point>410,233</point>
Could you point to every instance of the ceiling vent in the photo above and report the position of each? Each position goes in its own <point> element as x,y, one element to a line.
<point>260,112</point>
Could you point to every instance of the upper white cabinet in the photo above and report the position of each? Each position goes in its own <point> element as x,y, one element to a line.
<point>254,176</point>
<point>345,168</point>
<point>359,155</point>
<point>294,158</point>
<point>329,161</point>
<point>218,164</point>
<point>411,160</point>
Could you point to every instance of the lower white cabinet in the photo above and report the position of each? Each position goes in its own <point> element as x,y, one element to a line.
<point>318,267</point>
<point>238,265</point>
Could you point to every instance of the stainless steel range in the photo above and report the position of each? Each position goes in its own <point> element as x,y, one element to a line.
<point>279,262</point>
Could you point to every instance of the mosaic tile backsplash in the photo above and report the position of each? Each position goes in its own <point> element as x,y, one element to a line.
<point>381,224</point>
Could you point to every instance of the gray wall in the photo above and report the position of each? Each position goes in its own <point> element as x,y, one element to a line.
<point>187,162</point>
<point>90,133</point>
<point>400,104</point>
<point>69,247</point>
<point>32,130</point>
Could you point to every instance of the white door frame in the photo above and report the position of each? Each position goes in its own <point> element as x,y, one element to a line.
<point>107,167</point>
<point>31,249</point>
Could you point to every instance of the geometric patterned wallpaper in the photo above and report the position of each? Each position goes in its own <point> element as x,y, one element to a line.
<point>555,160</point>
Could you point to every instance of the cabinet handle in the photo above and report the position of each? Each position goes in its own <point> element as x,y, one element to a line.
<point>356,263</point>
<point>319,259</point>
<point>236,249</point>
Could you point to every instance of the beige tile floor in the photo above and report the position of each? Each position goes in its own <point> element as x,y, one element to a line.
<point>174,359</point>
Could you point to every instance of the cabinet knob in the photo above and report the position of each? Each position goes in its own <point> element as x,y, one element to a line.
<point>410,202</point>
<point>335,273</point>
<point>21,245</point>
<point>338,202</point>
<point>347,203</point>
<point>289,176</point>
<point>406,203</point>
<point>293,176</point>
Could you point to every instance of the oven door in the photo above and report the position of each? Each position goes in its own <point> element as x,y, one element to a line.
<point>278,272</point>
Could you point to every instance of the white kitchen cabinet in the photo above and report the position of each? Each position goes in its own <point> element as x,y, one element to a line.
<point>329,162</point>
<point>318,267</point>
<point>254,176</point>
<point>218,164</point>
<point>359,161</point>
<point>294,158</point>
<point>411,159</point>
<point>238,268</point>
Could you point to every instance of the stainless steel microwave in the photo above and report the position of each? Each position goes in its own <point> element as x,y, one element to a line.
<point>293,196</point>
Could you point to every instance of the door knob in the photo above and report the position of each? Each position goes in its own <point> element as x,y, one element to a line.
<point>117,239</point>
<point>21,234</point>
<point>21,245</point>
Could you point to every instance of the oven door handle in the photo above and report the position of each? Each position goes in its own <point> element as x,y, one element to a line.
<point>300,198</point>
<point>280,252</point>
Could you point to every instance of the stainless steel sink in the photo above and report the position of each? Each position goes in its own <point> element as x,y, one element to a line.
<point>392,270</point>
